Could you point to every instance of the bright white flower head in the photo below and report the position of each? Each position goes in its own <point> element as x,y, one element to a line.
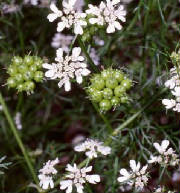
<point>166,155</point>
<point>107,14</point>
<point>78,177</point>
<point>69,17</point>
<point>136,176</point>
<point>92,148</point>
<point>174,85</point>
<point>66,68</point>
<point>46,174</point>
<point>63,41</point>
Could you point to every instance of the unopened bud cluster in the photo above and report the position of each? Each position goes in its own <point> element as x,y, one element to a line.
<point>24,72</point>
<point>109,88</point>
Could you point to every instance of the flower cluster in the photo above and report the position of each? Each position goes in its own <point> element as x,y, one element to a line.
<point>24,72</point>
<point>92,148</point>
<point>162,190</point>
<point>107,14</point>
<point>67,67</point>
<point>109,88</point>
<point>174,84</point>
<point>78,177</point>
<point>136,177</point>
<point>46,174</point>
<point>166,156</point>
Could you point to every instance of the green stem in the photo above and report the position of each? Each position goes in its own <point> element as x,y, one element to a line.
<point>18,139</point>
<point>94,67</point>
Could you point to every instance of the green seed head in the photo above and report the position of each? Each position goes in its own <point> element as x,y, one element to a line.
<point>12,70</point>
<point>38,76</point>
<point>118,75</point>
<point>11,82</point>
<point>111,83</point>
<point>105,105</point>
<point>96,96</point>
<point>127,83</point>
<point>107,93</point>
<point>17,60</point>
<point>115,101</point>
<point>28,60</point>
<point>29,86</point>
<point>119,91</point>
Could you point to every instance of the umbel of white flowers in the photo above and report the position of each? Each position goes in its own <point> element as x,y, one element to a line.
<point>105,14</point>
<point>78,177</point>
<point>92,148</point>
<point>166,156</point>
<point>67,67</point>
<point>46,174</point>
<point>135,177</point>
<point>174,85</point>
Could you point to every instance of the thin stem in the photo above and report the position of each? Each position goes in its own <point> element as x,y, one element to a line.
<point>18,139</point>
<point>94,67</point>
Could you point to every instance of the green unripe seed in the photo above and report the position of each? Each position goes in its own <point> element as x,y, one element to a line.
<point>38,62</point>
<point>96,96</point>
<point>19,78</point>
<point>33,68</point>
<point>98,83</point>
<point>29,86</point>
<point>106,74</point>
<point>127,83</point>
<point>111,83</point>
<point>118,75</point>
<point>12,70</point>
<point>115,101</point>
<point>28,75</point>
<point>11,82</point>
<point>105,105</point>
<point>28,60</point>
<point>124,99</point>
<point>17,60</point>
<point>119,91</point>
<point>38,76</point>
<point>23,69</point>
<point>107,93</point>
<point>20,87</point>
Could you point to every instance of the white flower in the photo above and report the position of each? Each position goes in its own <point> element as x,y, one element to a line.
<point>45,181</point>
<point>46,173</point>
<point>17,120</point>
<point>66,68</point>
<point>92,148</point>
<point>176,91</point>
<point>166,155</point>
<point>78,177</point>
<point>56,13</point>
<point>32,2</point>
<point>107,13</point>
<point>136,176</point>
<point>63,41</point>
<point>169,103</point>
<point>69,17</point>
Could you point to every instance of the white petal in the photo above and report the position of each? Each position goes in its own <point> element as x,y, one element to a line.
<point>78,29</point>
<point>117,25</point>
<point>47,66</point>
<point>85,72</point>
<point>61,26</point>
<point>133,165</point>
<point>158,147</point>
<point>67,86</point>
<point>124,172</point>
<point>59,54</point>
<point>93,179</point>
<point>110,28</point>
<point>66,184</point>
<point>54,8</point>
<point>76,52</point>
<point>52,16</point>
<point>164,144</point>
<point>79,188</point>
<point>93,20</point>
<point>79,79</point>
<point>49,73</point>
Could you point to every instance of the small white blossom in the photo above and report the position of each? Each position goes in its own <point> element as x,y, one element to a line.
<point>136,176</point>
<point>63,41</point>
<point>166,155</point>
<point>169,103</point>
<point>69,17</point>
<point>66,68</point>
<point>92,148</point>
<point>107,14</point>
<point>46,174</point>
<point>78,177</point>
<point>17,120</point>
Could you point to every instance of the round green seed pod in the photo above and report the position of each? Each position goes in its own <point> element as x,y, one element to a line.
<point>33,68</point>
<point>105,105</point>
<point>28,60</point>
<point>98,83</point>
<point>19,78</point>
<point>22,69</point>
<point>107,93</point>
<point>38,62</point>
<point>115,101</point>
<point>11,82</point>
<point>29,86</point>
<point>119,91</point>
<point>96,96</point>
<point>124,99</point>
<point>17,60</point>
<point>38,76</point>
<point>105,74</point>
<point>127,83</point>
<point>12,70</point>
<point>20,87</point>
<point>118,75</point>
<point>28,75</point>
<point>111,83</point>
